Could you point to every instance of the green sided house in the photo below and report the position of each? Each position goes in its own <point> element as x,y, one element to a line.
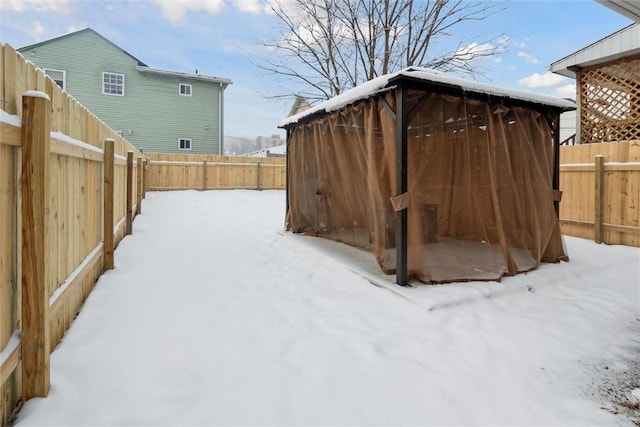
<point>156,110</point>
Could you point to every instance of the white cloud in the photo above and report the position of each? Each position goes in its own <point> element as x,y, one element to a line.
<point>176,10</point>
<point>566,91</point>
<point>252,6</point>
<point>548,79</point>
<point>473,51</point>
<point>528,57</point>
<point>60,6</point>
<point>498,60</point>
<point>38,31</point>
<point>290,7</point>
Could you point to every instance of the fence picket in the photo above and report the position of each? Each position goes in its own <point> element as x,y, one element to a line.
<point>35,248</point>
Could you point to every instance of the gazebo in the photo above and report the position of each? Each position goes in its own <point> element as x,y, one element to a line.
<point>441,178</point>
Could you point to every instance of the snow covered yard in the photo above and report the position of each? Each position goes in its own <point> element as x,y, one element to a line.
<point>212,316</point>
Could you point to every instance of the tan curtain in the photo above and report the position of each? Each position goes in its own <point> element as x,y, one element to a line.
<point>480,186</point>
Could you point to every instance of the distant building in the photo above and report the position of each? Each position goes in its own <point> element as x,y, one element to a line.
<point>156,110</point>
<point>277,151</point>
<point>235,146</point>
<point>263,142</point>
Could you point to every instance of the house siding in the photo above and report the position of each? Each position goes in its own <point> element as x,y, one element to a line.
<point>152,114</point>
<point>194,117</point>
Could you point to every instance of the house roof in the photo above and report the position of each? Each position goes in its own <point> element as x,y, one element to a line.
<point>299,105</point>
<point>432,80</point>
<point>186,76</point>
<point>142,67</point>
<point>628,8</point>
<point>35,45</point>
<point>621,44</point>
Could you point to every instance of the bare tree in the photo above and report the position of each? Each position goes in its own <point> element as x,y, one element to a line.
<point>329,46</point>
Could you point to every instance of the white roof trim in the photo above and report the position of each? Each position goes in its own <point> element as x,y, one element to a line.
<point>184,75</point>
<point>620,44</point>
<point>628,8</point>
<point>379,84</point>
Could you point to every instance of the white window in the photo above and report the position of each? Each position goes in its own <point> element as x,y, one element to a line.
<point>184,143</point>
<point>185,89</point>
<point>113,84</point>
<point>58,76</point>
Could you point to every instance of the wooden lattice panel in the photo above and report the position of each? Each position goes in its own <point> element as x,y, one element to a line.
<point>610,102</point>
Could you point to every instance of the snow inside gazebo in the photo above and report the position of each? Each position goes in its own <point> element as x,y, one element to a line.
<point>441,178</point>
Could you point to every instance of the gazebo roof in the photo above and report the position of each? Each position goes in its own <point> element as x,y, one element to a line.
<point>432,80</point>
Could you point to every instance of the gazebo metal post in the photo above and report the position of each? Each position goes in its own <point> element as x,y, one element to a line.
<point>288,137</point>
<point>556,158</point>
<point>402,115</point>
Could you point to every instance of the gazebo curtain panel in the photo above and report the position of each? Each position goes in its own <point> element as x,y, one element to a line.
<point>480,185</point>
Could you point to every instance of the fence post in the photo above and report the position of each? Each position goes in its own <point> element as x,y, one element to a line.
<point>139,169</point>
<point>204,174</point>
<point>599,196</point>
<point>129,217</point>
<point>109,168</point>
<point>35,211</point>
<point>144,179</point>
<point>258,177</point>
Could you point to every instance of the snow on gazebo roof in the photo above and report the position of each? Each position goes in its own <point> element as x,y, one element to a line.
<point>386,82</point>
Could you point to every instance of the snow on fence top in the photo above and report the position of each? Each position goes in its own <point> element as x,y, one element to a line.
<point>37,94</point>
<point>382,83</point>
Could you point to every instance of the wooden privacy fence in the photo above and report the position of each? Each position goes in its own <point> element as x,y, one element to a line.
<point>69,189</point>
<point>600,186</point>
<point>185,171</point>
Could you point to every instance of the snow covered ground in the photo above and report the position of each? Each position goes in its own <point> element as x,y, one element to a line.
<point>213,316</point>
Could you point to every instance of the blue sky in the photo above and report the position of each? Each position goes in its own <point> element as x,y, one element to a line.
<point>223,38</point>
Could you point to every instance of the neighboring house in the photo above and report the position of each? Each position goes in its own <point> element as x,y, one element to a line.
<point>156,110</point>
<point>299,105</point>
<point>567,126</point>
<point>607,75</point>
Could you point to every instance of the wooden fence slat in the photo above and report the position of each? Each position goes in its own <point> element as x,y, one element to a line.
<point>139,170</point>
<point>204,174</point>
<point>7,253</point>
<point>599,175</point>
<point>9,82</point>
<point>129,207</point>
<point>144,178</point>
<point>53,229</point>
<point>2,85</point>
<point>108,193</point>
<point>258,176</point>
<point>35,245</point>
